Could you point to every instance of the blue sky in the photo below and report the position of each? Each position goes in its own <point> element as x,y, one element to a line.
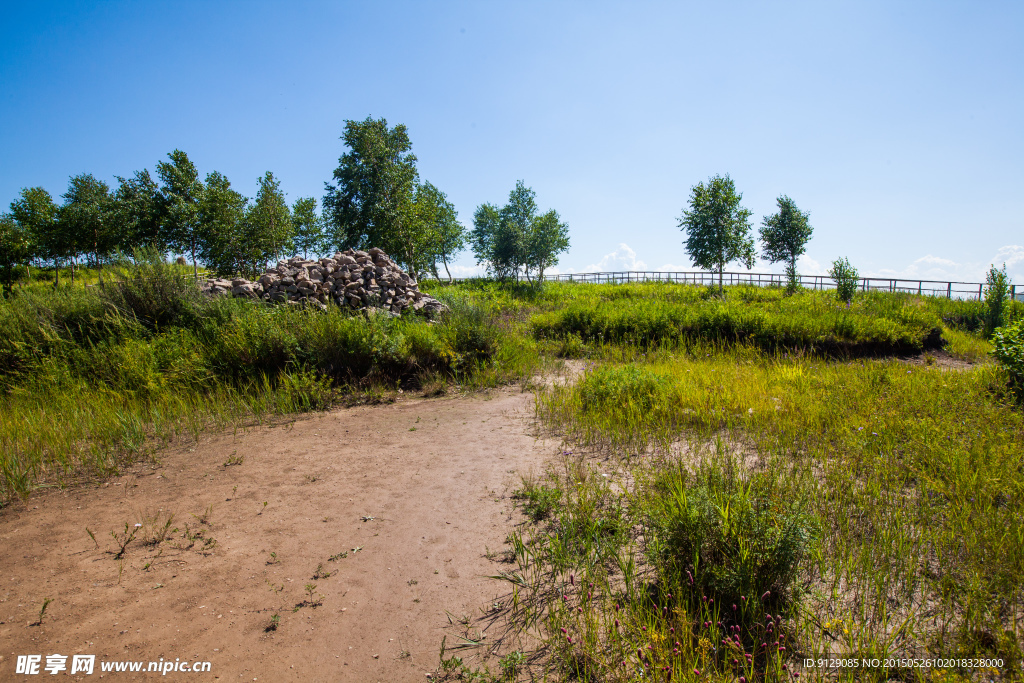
<point>897,125</point>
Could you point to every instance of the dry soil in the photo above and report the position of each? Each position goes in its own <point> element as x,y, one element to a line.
<point>416,493</point>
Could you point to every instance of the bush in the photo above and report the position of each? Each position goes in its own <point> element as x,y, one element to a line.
<point>846,279</point>
<point>1008,343</point>
<point>156,294</point>
<point>997,294</point>
<point>734,539</point>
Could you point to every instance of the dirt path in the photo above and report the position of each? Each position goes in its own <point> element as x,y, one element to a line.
<point>419,487</point>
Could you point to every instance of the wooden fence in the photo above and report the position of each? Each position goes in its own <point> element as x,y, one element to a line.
<point>948,289</point>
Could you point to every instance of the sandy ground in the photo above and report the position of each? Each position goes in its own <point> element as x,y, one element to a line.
<point>415,493</point>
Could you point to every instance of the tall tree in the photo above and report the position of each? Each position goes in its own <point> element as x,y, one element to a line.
<point>136,213</point>
<point>36,213</point>
<point>516,219</point>
<point>85,217</point>
<point>717,227</point>
<point>309,229</point>
<point>371,201</point>
<point>181,190</point>
<point>15,251</point>
<point>226,246</point>
<point>549,237</point>
<point>514,238</point>
<point>481,238</point>
<point>270,222</point>
<point>445,236</point>
<point>784,236</point>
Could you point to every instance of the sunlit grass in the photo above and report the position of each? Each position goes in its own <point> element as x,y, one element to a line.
<point>910,480</point>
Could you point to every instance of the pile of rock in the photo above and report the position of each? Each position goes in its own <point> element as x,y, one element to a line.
<point>357,279</point>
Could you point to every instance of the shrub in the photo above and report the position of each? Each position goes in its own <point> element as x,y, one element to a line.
<point>1008,343</point>
<point>156,293</point>
<point>997,293</point>
<point>733,539</point>
<point>846,279</point>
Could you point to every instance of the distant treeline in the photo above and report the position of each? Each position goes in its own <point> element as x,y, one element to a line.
<point>375,199</point>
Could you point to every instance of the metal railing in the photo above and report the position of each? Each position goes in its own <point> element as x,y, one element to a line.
<point>943,288</point>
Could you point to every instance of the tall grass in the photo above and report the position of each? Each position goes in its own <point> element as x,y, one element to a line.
<point>91,377</point>
<point>872,508</point>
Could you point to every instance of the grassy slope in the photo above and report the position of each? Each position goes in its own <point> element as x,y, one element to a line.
<point>871,507</point>
<point>91,378</point>
<point>900,493</point>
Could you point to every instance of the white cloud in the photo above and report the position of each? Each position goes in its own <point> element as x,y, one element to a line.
<point>622,258</point>
<point>1011,255</point>
<point>931,267</point>
<point>805,265</point>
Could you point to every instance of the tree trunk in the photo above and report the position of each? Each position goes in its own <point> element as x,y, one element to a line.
<point>445,262</point>
<point>721,270</point>
<point>56,270</point>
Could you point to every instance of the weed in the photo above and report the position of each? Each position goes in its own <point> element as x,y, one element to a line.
<point>234,459</point>
<point>539,500</point>
<point>273,559</point>
<point>338,556</point>
<point>93,537</point>
<point>42,611</point>
<point>321,573</point>
<point>313,599</point>
<point>156,531</point>
<point>511,664</point>
<point>123,538</point>
<point>204,516</point>
<point>275,621</point>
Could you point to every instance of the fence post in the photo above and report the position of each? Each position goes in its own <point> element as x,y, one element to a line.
<point>979,292</point>
<point>949,290</point>
<point>1013,292</point>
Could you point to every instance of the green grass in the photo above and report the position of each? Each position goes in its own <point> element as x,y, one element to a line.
<point>92,378</point>
<point>762,451</point>
<point>880,505</point>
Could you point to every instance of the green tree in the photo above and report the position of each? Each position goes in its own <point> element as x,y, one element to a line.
<point>481,238</point>
<point>180,192</point>
<point>784,236</point>
<point>549,237</point>
<point>15,251</point>
<point>269,224</point>
<point>445,235</point>
<point>85,218</point>
<point>371,203</point>
<point>501,237</point>
<point>226,245</point>
<point>516,221</point>
<point>309,229</point>
<point>846,278</point>
<point>997,296</point>
<point>137,213</point>
<point>716,226</point>
<point>36,213</point>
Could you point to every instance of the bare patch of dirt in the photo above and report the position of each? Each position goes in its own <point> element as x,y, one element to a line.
<point>388,510</point>
<point>939,359</point>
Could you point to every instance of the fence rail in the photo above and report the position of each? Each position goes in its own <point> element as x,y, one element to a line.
<point>943,288</point>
